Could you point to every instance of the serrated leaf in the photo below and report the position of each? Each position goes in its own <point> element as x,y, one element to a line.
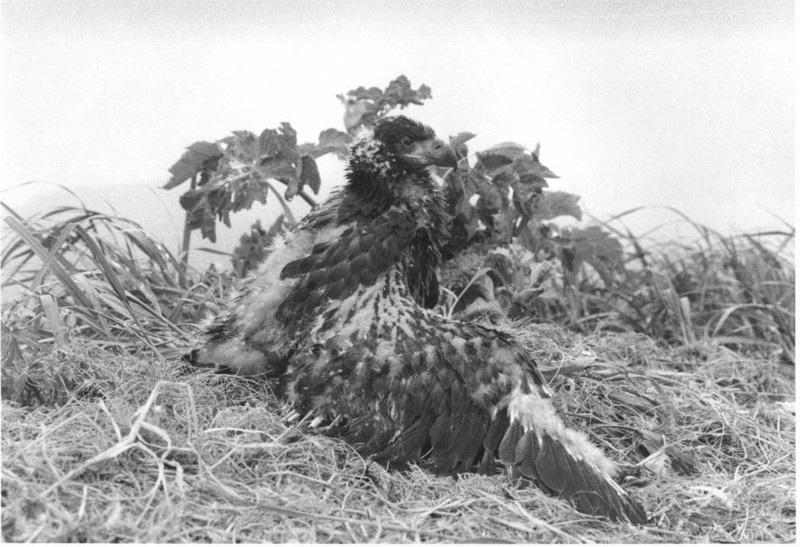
<point>400,93</point>
<point>500,156</point>
<point>199,215</point>
<point>277,153</point>
<point>243,195</point>
<point>531,170</point>
<point>424,92</point>
<point>199,157</point>
<point>554,204</point>
<point>363,107</point>
<point>241,145</point>
<point>242,176</point>
<point>509,150</point>
<point>493,163</point>
<point>362,93</point>
<point>278,142</point>
<point>506,155</point>
<point>331,141</point>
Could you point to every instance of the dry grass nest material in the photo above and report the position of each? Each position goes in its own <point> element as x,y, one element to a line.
<point>134,449</point>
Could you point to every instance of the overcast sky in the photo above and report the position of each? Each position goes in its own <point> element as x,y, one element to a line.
<point>661,103</point>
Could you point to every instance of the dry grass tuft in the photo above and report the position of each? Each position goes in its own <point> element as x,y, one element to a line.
<point>133,449</point>
<point>707,433</point>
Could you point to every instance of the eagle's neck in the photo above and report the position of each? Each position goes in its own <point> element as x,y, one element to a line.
<point>378,183</point>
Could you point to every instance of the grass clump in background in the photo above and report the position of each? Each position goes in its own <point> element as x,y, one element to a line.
<point>682,370</point>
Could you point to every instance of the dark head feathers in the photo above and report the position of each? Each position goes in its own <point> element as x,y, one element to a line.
<point>412,145</point>
<point>392,130</point>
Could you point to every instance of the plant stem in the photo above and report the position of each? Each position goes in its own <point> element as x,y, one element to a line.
<point>187,233</point>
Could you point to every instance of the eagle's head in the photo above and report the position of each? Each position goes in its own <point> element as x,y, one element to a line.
<point>401,145</point>
<point>411,143</point>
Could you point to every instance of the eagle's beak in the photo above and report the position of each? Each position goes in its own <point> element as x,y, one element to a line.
<point>436,152</point>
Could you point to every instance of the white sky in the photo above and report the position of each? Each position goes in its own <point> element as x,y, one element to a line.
<point>662,103</point>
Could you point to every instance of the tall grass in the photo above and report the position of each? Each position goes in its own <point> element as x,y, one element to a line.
<point>76,272</point>
<point>737,291</point>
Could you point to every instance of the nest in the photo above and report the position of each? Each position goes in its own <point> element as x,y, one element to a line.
<point>133,449</point>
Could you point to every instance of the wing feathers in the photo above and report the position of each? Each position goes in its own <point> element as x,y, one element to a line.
<point>545,460</point>
<point>336,268</point>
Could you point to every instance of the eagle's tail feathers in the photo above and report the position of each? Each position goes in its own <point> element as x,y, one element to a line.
<point>539,447</point>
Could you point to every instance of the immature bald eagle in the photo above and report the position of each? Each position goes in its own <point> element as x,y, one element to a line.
<point>340,313</point>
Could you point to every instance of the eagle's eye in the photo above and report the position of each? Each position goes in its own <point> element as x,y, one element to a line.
<point>408,142</point>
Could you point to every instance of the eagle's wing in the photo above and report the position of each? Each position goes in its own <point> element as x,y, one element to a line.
<point>454,396</point>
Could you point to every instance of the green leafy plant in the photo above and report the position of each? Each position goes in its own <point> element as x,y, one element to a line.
<point>365,106</point>
<point>503,200</point>
<point>233,173</point>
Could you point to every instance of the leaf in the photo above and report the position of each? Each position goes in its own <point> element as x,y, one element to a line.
<point>243,174</point>
<point>276,142</point>
<point>493,198</point>
<point>597,248</point>
<point>527,197</point>
<point>479,279</point>
<point>331,140</point>
<point>365,106</point>
<point>461,138</point>
<point>531,170</point>
<point>54,317</point>
<point>513,155</point>
<point>49,260</point>
<point>199,214</point>
<point>508,149</point>
<point>399,93</point>
<point>555,204</point>
<point>503,223</point>
<point>309,173</point>
<point>504,181</point>
<point>277,153</point>
<point>241,145</point>
<point>362,93</point>
<point>500,155</point>
<point>201,156</point>
<point>354,111</point>
<point>459,145</point>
